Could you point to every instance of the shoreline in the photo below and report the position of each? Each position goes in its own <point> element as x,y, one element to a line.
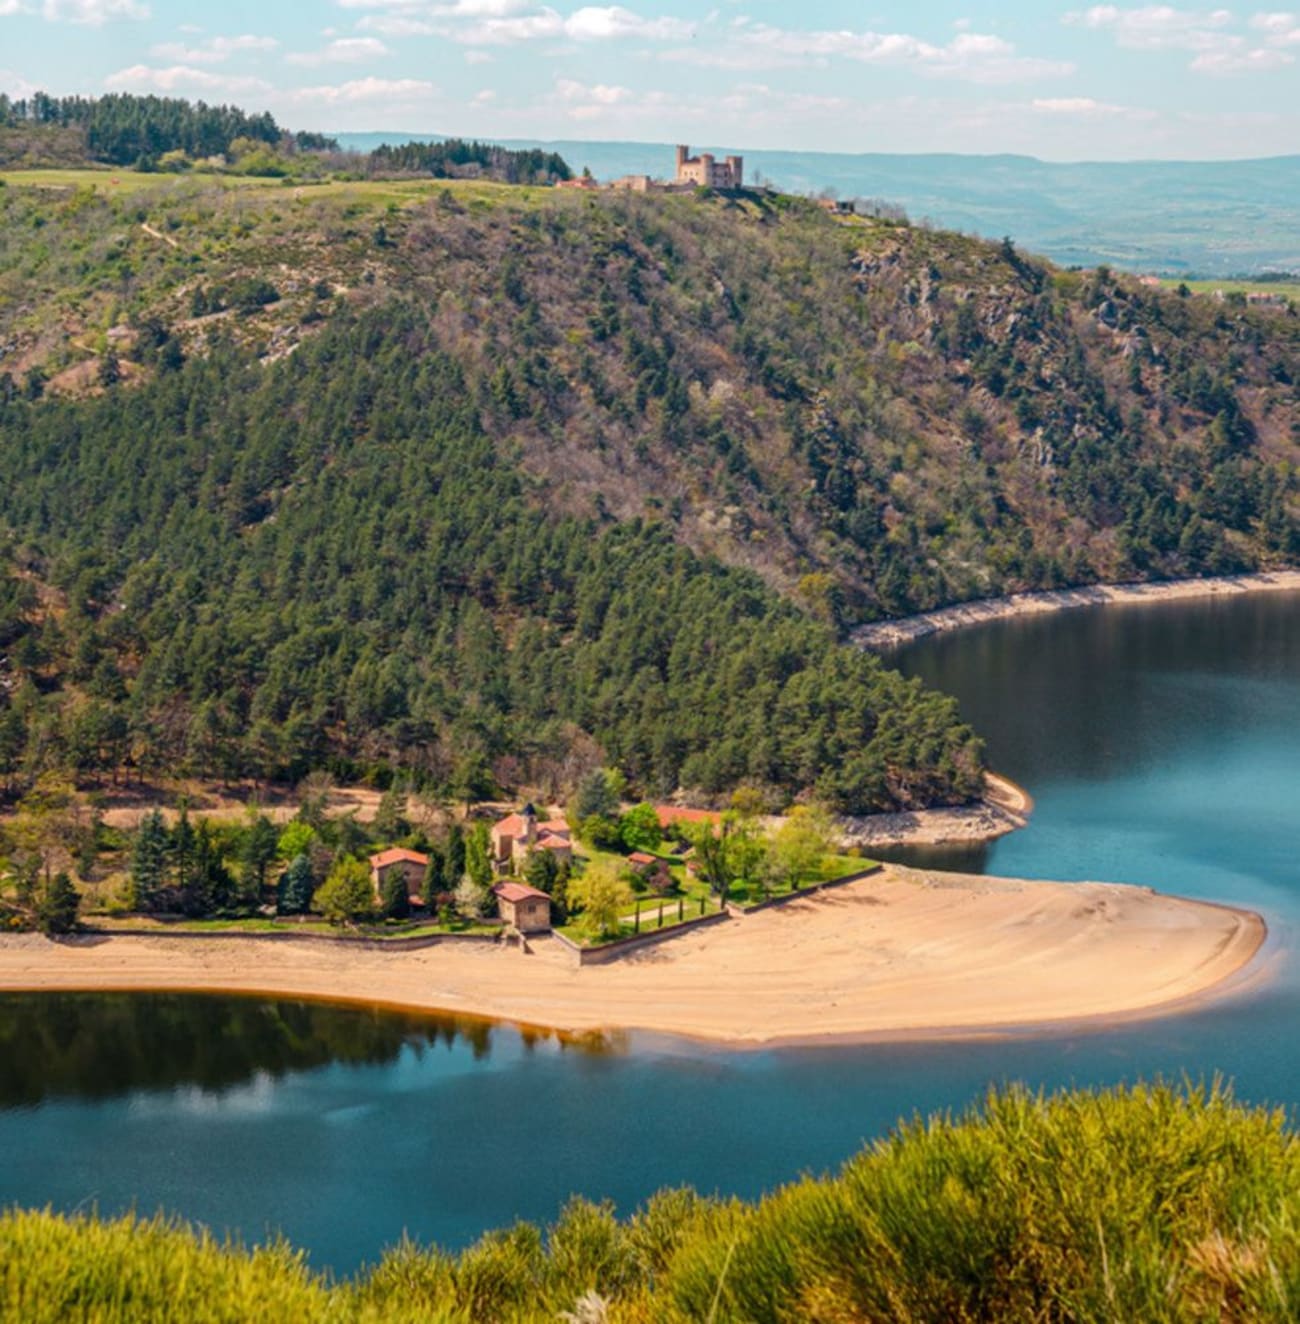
<point>1005,808</point>
<point>883,636</point>
<point>902,956</point>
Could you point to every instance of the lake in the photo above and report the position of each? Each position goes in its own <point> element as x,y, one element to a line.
<point>1162,745</point>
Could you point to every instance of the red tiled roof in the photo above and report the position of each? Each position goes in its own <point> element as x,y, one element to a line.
<point>513,892</point>
<point>513,825</point>
<point>397,856</point>
<point>670,814</point>
<point>640,857</point>
<point>560,826</point>
<point>554,841</point>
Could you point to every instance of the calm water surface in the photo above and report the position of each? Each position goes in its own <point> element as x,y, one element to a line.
<point>1162,745</point>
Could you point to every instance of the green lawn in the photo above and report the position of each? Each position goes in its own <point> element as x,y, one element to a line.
<point>123,182</point>
<point>833,869</point>
<point>260,924</point>
<point>649,921</point>
<point>1287,289</point>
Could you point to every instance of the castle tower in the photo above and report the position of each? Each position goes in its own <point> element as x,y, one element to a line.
<point>683,153</point>
<point>736,165</point>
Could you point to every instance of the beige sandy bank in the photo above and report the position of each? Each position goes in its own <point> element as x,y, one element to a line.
<point>892,634</point>
<point>894,956</point>
<point>1005,808</point>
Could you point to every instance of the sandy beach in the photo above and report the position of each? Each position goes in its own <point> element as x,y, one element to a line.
<point>892,634</point>
<point>901,954</point>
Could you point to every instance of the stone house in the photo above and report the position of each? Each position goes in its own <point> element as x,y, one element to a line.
<point>410,863</point>
<point>523,907</point>
<point>517,834</point>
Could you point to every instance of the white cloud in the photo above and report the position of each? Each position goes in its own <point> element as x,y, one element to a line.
<point>183,78</point>
<point>604,93</point>
<point>93,13</point>
<point>1157,27</point>
<point>1280,29</point>
<point>217,50</point>
<point>398,91</point>
<point>343,50</point>
<point>15,84</point>
<point>972,56</point>
<point>505,22</point>
<point>1209,34</point>
<point>593,23</point>
<point>1077,106</point>
<point>89,13</point>
<point>1259,60</point>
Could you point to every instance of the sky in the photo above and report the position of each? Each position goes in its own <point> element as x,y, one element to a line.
<point>1082,82</point>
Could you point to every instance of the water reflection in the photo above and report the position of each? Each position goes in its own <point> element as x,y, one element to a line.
<point>1096,694</point>
<point>100,1046</point>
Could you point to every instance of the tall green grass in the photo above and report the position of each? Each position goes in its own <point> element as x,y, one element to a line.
<point>1149,1205</point>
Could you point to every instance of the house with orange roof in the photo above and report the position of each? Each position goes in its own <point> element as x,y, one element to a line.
<point>523,907</point>
<point>517,834</point>
<point>410,863</point>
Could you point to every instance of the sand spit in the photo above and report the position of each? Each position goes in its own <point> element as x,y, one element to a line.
<point>893,634</point>
<point>900,955</point>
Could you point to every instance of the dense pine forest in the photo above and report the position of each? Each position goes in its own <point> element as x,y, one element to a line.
<point>258,572</point>
<point>121,129</point>
<point>490,484</point>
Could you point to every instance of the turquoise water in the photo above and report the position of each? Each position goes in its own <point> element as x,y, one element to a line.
<point>1162,745</point>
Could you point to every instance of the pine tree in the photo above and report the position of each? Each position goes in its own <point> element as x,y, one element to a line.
<point>395,895</point>
<point>293,892</point>
<point>182,850</point>
<point>541,869</point>
<point>257,855</point>
<point>149,861</point>
<point>57,908</point>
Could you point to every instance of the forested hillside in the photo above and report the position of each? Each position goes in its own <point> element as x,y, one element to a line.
<point>330,563</point>
<point>487,483</point>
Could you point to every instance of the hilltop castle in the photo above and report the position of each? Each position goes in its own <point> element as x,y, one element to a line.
<point>704,171</point>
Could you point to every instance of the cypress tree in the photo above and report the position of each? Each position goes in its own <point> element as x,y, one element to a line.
<point>435,878</point>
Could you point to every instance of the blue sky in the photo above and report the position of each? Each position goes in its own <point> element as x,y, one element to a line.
<point>1058,81</point>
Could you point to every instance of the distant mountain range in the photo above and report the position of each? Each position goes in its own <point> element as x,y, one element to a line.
<point>1215,218</point>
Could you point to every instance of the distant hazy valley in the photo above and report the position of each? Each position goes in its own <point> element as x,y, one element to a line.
<point>1216,218</point>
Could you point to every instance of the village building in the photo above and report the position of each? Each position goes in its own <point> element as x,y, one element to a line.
<point>410,863</point>
<point>705,171</point>
<point>523,907</point>
<point>632,183</point>
<point>584,182</point>
<point>514,836</point>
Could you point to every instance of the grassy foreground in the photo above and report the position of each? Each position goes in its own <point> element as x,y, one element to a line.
<point>1147,1204</point>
